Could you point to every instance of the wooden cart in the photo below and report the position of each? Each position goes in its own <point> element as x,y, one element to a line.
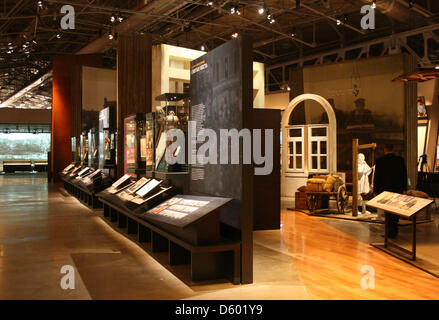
<point>341,197</point>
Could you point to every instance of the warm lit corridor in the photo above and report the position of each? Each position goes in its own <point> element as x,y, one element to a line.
<point>42,228</point>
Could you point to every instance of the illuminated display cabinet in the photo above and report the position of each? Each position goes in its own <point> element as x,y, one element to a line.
<point>134,164</point>
<point>93,148</point>
<point>83,148</point>
<point>107,140</point>
<point>174,114</point>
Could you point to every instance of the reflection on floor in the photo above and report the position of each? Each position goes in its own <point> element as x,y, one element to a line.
<point>42,229</point>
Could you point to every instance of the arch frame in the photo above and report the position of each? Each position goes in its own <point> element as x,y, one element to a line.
<point>332,129</point>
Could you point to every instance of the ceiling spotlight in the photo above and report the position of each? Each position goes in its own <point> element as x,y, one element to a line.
<point>338,21</point>
<point>58,35</point>
<point>202,47</point>
<point>437,67</point>
<point>34,41</point>
<point>272,20</point>
<point>374,4</point>
<point>293,34</point>
<point>288,88</point>
<point>235,35</point>
<point>113,18</point>
<point>110,36</point>
<point>210,3</point>
<point>120,18</point>
<point>261,10</point>
<point>238,12</point>
<point>40,4</point>
<point>232,10</point>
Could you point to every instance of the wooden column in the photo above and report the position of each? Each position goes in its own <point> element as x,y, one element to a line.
<point>411,123</point>
<point>63,70</point>
<point>354,177</point>
<point>134,84</point>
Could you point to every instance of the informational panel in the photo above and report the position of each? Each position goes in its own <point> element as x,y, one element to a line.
<point>399,204</point>
<point>221,98</point>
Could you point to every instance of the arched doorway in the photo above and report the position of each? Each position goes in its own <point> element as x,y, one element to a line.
<point>307,149</point>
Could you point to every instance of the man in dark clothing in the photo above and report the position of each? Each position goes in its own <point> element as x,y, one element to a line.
<point>390,175</point>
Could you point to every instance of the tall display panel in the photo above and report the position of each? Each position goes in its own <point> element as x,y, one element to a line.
<point>221,98</point>
<point>93,148</point>
<point>107,140</point>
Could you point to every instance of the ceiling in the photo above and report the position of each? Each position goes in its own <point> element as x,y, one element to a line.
<point>31,34</point>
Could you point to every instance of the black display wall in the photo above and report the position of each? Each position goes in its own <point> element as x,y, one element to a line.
<point>221,98</point>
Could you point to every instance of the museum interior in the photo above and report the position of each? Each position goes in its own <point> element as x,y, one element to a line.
<point>219,150</point>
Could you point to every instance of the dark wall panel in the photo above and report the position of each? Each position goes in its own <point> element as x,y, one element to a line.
<point>221,98</point>
<point>63,68</point>
<point>134,86</point>
<point>267,187</point>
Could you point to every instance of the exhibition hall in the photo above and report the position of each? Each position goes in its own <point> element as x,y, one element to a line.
<point>219,150</point>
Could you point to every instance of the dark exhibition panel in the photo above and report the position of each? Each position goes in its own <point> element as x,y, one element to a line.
<point>210,151</point>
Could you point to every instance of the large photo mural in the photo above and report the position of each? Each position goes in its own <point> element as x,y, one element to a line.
<point>367,104</point>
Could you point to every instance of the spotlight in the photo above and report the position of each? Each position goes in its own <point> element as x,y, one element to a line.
<point>210,3</point>
<point>293,34</point>
<point>272,20</point>
<point>437,67</point>
<point>110,36</point>
<point>235,35</point>
<point>288,88</point>
<point>268,15</point>
<point>113,18</point>
<point>261,10</point>
<point>34,41</point>
<point>40,4</point>
<point>120,18</point>
<point>58,35</point>
<point>238,12</point>
<point>202,47</point>
<point>374,4</point>
<point>232,10</point>
<point>338,21</point>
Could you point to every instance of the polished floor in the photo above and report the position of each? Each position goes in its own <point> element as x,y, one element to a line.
<point>43,229</point>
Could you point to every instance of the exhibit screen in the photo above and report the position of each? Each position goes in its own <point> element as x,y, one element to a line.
<point>24,146</point>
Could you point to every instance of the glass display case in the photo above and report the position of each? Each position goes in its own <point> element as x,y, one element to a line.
<point>133,130</point>
<point>107,140</point>
<point>93,148</point>
<point>75,151</point>
<point>174,113</point>
<point>83,148</point>
<point>147,142</point>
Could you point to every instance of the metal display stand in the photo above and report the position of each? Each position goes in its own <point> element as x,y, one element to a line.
<point>404,206</point>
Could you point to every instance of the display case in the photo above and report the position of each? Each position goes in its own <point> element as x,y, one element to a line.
<point>173,114</point>
<point>134,164</point>
<point>83,148</point>
<point>75,150</point>
<point>107,140</point>
<point>93,148</point>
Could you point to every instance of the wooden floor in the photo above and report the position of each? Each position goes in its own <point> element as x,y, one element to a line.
<point>329,264</point>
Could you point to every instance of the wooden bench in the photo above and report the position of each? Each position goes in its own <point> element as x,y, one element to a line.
<point>11,166</point>
<point>207,262</point>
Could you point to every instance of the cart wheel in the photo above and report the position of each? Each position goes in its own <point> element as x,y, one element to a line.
<point>342,199</point>
<point>311,202</point>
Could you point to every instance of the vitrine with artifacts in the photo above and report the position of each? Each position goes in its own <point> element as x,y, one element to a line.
<point>93,148</point>
<point>172,114</point>
<point>147,144</point>
<point>107,140</point>
<point>134,164</point>
<point>83,148</point>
